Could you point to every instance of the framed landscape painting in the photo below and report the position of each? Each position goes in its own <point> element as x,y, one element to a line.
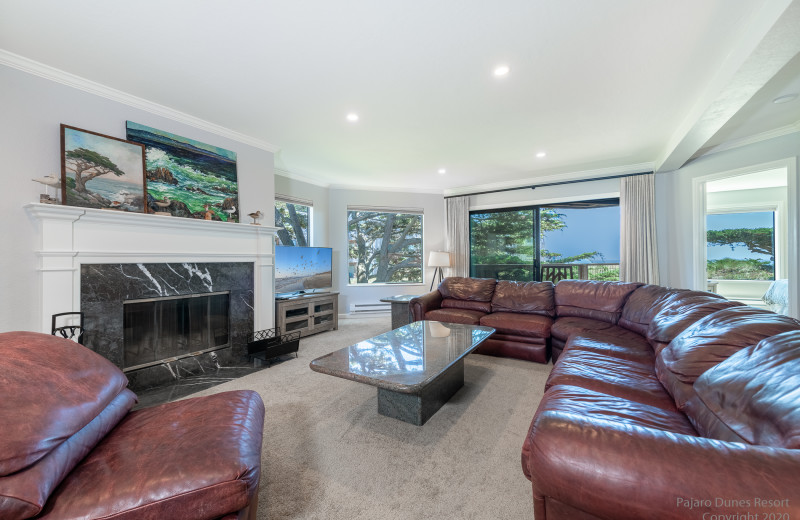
<point>100,171</point>
<point>187,178</point>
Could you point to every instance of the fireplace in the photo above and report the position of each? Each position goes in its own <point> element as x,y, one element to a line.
<point>159,321</point>
<point>94,261</point>
<point>173,327</point>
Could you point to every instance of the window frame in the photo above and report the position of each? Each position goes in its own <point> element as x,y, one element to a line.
<point>778,208</point>
<point>536,208</point>
<point>397,211</point>
<point>297,202</point>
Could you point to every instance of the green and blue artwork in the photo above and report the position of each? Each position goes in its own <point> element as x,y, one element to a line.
<point>187,178</point>
<point>100,171</point>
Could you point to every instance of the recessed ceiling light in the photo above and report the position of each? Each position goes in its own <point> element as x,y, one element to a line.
<point>352,116</point>
<point>501,70</point>
<point>442,171</point>
<point>541,154</point>
<point>784,99</point>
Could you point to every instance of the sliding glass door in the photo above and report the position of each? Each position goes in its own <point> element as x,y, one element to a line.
<point>568,240</point>
<point>502,244</point>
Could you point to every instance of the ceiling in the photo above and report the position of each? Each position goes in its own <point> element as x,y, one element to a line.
<point>601,86</point>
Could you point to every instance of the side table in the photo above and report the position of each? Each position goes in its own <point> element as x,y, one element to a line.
<point>401,314</point>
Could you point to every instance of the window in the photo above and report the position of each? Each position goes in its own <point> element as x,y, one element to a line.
<point>384,245</point>
<point>293,220</point>
<point>502,245</point>
<point>567,240</point>
<point>741,246</point>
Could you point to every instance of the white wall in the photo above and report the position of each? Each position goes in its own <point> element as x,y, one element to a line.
<point>433,239</point>
<point>31,109</point>
<point>675,206</point>
<point>318,195</point>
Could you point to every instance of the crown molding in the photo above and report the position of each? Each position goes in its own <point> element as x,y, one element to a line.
<point>384,189</point>
<point>302,178</point>
<point>752,139</point>
<point>65,78</point>
<point>584,175</point>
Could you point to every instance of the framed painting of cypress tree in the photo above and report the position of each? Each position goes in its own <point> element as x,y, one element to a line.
<point>100,171</point>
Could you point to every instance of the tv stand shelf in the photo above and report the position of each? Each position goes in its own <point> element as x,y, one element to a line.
<point>308,313</point>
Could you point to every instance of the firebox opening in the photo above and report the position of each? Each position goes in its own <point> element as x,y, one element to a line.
<point>165,329</point>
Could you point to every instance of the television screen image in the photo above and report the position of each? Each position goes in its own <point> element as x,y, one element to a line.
<point>302,268</point>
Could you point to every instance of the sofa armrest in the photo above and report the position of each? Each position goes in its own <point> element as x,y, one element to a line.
<point>422,304</point>
<point>619,471</point>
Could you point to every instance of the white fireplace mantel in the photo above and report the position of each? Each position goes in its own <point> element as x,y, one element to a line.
<point>70,236</point>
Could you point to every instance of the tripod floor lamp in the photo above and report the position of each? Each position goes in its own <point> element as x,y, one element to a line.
<point>438,259</point>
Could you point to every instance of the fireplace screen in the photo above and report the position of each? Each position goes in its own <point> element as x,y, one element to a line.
<point>159,329</point>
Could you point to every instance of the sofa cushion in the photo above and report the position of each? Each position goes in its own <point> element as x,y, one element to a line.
<point>596,405</point>
<point>717,337</point>
<point>474,289</point>
<point>52,388</point>
<point>23,494</point>
<point>452,303</point>
<point>524,297</point>
<point>528,349</point>
<point>625,346</point>
<point>592,299</point>
<point>633,380</point>
<point>563,328</point>
<point>682,309</point>
<point>713,340</point>
<point>518,324</point>
<point>756,392</point>
<point>642,306</point>
<point>465,316</point>
<point>200,455</point>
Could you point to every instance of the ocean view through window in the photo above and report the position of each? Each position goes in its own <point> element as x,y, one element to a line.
<point>566,240</point>
<point>741,246</point>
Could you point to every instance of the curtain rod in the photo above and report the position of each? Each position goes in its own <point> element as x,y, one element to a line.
<point>534,186</point>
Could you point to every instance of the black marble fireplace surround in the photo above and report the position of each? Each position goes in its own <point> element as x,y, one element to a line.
<point>104,288</point>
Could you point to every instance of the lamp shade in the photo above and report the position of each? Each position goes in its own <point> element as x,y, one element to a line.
<point>439,259</point>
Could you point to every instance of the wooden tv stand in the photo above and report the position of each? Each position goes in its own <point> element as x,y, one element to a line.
<point>309,313</point>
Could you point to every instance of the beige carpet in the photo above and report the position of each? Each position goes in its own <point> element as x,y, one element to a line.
<point>328,454</point>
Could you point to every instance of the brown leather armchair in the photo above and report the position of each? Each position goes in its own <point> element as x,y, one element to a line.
<point>71,447</point>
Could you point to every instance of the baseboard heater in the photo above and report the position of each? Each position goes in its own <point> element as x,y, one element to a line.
<point>363,308</point>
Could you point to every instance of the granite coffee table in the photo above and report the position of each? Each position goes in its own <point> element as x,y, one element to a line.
<point>416,368</point>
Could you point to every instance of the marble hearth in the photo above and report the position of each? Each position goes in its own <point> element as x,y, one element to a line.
<point>92,260</point>
<point>106,287</point>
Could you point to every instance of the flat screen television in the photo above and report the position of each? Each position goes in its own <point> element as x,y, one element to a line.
<point>299,269</point>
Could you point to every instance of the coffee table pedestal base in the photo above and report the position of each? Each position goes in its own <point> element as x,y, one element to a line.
<point>418,408</point>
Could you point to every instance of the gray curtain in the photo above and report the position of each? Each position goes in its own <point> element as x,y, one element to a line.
<point>638,251</point>
<point>457,221</point>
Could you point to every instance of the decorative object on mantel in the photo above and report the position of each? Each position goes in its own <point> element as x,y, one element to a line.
<point>255,216</point>
<point>197,177</point>
<point>48,181</point>
<point>230,212</point>
<point>162,205</point>
<point>438,259</point>
<point>100,171</point>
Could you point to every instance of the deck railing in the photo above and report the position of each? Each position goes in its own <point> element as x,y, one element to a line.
<point>551,272</point>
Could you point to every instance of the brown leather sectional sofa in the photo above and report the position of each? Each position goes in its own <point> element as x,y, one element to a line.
<point>663,403</point>
<point>71,448</point>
